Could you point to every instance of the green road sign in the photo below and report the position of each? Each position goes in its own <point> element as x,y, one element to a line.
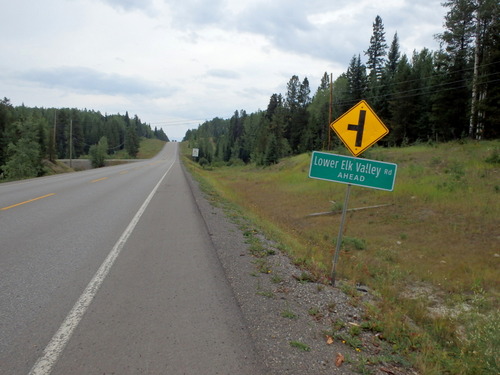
<point>355,171</point>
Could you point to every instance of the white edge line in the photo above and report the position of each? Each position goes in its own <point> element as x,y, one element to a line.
<point>54,348</point>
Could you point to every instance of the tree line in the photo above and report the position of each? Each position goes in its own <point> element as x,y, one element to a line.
<point>30,135</point>
<point>438,96</point>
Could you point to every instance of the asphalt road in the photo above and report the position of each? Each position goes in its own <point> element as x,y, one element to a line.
<point>112,271</point>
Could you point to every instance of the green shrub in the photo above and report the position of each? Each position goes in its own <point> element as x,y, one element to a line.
<point>98,153</point>
<point>494,157</point>
<point>203,162</point>
<point>352,243</point>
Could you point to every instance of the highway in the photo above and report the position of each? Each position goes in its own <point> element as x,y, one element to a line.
<point>112,271</point>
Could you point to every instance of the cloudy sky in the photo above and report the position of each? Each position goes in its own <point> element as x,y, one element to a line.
<point>177,63</point>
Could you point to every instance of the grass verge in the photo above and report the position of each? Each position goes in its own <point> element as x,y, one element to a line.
<point>430,255</point>
<point>148,148</point>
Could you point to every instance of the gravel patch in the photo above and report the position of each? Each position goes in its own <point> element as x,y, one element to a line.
<point>298,326</point>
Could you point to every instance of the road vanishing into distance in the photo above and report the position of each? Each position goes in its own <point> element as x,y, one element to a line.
<point>112,271</point>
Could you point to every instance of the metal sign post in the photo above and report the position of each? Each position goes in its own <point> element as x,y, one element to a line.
<point>341,231</point>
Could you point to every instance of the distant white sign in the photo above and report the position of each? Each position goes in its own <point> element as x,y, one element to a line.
<point>196,151</point>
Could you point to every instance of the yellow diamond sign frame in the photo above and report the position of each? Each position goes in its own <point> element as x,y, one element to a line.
<point>359,128</point>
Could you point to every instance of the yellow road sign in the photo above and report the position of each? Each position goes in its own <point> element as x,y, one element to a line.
<point>359,128</point>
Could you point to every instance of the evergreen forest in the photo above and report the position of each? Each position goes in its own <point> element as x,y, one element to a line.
<point>28,136</point>
<point>430,96</point>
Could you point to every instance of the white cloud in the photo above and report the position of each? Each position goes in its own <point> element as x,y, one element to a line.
<point>223,73</point>
<point>195,14</point>
<point>88,81</point>
<point>170,61</point>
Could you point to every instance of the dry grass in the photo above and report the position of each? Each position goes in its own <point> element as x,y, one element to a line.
<point>440,233</point>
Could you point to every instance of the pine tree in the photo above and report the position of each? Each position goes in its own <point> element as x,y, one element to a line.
<point>401,108</point>
<point>459,33</point>
<point>376,61</point>
<point>293,107</point>
<point>98,153</point>
<point>387,80</point>
<point>484,113</point>
<point>325,82</point>
<point>77,132</point>
<point>274,124</point>
<point>318,110</point>
<point>272,155</point>
<point>24,159</point>
<point>162,136</point>
<point>422,81</point>
<point>393,56</point>
<point>341,96</point>
<point>63,118</point>
<point>115,133</point>
<point>356,76</point>
<point>236,130</point>
<point>377,51</point>
<point>251,126</point>
<point>304,92</point>
<point>302,139</point>
<point>274,102</point>
<point>452,101</point>
<point>6,111</point>
<point>131,141</point>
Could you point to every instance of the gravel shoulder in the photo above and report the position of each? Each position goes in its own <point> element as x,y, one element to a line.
<point>298,326</point>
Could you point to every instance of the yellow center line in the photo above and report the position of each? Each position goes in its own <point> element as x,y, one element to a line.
<point>31,200</point>
<point>99,179</point>
<point>124,172</point>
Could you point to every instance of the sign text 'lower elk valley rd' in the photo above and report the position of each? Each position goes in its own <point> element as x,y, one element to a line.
<point>355,171</point>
